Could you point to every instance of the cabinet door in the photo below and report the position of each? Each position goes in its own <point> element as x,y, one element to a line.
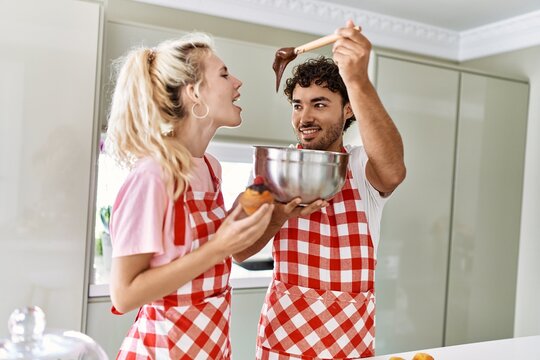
<point>48,73</point>
<point>266,113</point>
<point>487,208</point>
<point>107,329</point>
<point>246,309</point>
<point>413,250</point>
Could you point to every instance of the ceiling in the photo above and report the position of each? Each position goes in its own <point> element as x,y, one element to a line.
<point>458,15</point>
<point>456,30</point>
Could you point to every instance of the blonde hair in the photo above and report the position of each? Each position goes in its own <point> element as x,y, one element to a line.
<point>147,99</point>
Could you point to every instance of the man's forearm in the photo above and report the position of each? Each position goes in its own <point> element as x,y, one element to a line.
<point>380,137</point>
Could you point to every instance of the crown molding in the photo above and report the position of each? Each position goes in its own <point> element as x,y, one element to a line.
<point>511,34</point>
<point>321,18</point>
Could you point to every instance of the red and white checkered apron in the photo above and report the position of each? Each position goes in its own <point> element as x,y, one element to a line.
<point>321,303</point>
<point>192,323</point>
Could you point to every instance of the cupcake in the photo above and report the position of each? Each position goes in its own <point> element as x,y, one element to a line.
<point>255,195</point>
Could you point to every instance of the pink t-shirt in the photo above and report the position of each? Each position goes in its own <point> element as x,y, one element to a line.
<point>142,219</point>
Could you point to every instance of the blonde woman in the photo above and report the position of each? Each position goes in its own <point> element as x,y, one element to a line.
<point>172,238</point>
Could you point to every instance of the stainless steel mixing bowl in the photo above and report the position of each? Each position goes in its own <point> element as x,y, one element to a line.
<point>308,174</point>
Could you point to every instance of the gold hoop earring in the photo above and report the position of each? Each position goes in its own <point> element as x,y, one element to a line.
<point>199,116</point>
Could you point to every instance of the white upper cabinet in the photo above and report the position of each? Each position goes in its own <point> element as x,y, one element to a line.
<point>266,114</point>
<point>48,72</point>
<point>413,251</point>
<point>487,209</point>
<point>447,259</point>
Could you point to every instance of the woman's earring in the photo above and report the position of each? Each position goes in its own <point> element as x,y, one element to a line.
<point>167,130</point>
<point>199,116</point>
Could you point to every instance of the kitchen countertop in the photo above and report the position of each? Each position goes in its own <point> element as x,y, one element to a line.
<point>240,279</point>
<point>507,349</point>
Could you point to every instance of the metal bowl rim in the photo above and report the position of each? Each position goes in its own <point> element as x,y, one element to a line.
<point>292,149</point>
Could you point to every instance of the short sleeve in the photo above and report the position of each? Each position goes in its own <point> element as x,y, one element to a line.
<point>138,215</point>
<point>372,197</point>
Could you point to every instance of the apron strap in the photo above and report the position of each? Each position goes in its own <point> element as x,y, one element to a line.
<point>180,219</point>
<point>180,216</point>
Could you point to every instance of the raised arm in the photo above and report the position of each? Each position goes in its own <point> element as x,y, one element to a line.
<point>385,169</point>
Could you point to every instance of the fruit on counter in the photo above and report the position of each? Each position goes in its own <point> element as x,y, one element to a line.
<point>422,356</point>
<point>417,356</point>
<point>255,195</point>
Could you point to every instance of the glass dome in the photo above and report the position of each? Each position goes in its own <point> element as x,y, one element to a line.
<point>30,340</point>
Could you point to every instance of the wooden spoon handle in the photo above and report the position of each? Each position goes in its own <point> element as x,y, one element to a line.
<point>315,44</point>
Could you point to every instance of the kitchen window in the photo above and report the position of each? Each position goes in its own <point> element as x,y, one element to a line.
<point>236,163</point>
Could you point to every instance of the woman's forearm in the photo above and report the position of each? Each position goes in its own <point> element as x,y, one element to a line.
<point>154,283</point>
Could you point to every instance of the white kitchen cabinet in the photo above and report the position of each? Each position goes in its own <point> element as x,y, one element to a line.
<point>109,330</point>
<point>487,207</point>
<point>413,251</point>
<point>246,309</point>
<point>266,114</point>
<point>47,95</point>
<point>447,259</point>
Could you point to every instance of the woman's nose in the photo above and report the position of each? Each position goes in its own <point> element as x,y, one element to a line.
<point>238,82</point>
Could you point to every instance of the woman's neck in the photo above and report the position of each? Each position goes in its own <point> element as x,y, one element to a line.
<point>195,135</point>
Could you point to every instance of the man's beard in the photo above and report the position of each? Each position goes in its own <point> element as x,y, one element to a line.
<point>322,142</point>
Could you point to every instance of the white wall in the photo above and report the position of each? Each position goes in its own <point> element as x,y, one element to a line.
<point>47,82</point>
<point>525,64</point>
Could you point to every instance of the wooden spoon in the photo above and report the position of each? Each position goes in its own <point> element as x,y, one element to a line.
<point>285,55</point>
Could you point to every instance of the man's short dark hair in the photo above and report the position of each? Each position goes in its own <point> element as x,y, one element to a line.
<point>323,72</point>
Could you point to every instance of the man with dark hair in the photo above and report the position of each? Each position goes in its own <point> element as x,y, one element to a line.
<point>322,72</point>
<point>321,303</point>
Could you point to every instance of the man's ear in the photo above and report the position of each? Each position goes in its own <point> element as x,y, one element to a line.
<point>348,111</point>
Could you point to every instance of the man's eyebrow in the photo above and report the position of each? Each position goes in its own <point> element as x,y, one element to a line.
<point>320,98</point>
<point>224,68</point>
<point>314,100</point>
